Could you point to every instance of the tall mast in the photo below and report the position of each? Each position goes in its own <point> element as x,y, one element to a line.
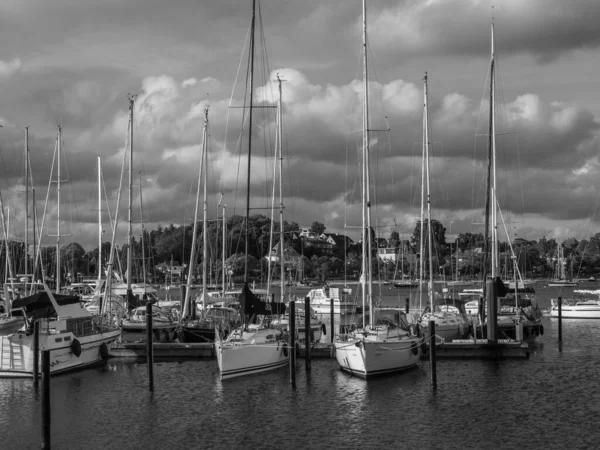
<point>34,218</point>
<point>224,249</point>
<point>129,223</point>
<point>195,229</point>
<point>99,220</point>
<point>490,201</point>
<point>281,241</point>
<point>494,204</point>
<point>429,229</point>
<point>251,56</point>
<point>422,231</point>
<point>58,212</point>
<point>367,244</point>
<point>26,199</point>
<point>142,238</point>
<point>204,210</point>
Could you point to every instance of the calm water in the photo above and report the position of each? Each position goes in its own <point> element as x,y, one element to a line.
<point>551,400</point>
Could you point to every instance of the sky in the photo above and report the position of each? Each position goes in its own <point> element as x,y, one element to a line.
<point>73,63</point>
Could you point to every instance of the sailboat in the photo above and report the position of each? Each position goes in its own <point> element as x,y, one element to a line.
<point>222,318</point>
<point>561,279</point>
<point>253,347</point>
<point>512,312</point>
<point>136,296</point>
<point>450,320</point>
<point>384,344</point>
<point>8,322</point>
<point>75,337</point>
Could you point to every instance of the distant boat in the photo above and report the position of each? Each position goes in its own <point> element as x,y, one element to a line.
<point>320,300</point>
<point>460,283</point>
<point>578,308</point>
<point>561,279</point>
<point>406,283</point>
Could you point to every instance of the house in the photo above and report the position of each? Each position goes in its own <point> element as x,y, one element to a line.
<point>290,255</point>
<point>308,233</point>
<point>174,272</point>
<point>337,240</point>
<point>319,245</point>
<point>388,254</point>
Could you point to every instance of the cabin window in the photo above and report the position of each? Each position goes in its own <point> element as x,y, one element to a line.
<point>82,326</point>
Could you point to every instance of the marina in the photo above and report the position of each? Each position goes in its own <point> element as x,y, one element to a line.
<point>308,225</point>
<point>117,393</point>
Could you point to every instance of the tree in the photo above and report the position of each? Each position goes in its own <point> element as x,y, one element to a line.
<point>394,240</point>
<point>438,239</point>
<point>318,228</point>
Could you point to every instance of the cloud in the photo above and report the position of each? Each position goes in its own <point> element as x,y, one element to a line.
<point>8,69</point>
<point>189,82</point>
<point>544,28</point>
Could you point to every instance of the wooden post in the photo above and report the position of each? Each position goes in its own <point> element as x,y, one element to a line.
<point>149,346</point>
<point>292,307</point>
<point>307,340</point>
<point>492,311</point>
<point>406,305</point>
<point>560,320</point>
<point>36,352</point>
<point>432,354</point>
<point>332,322</point>
<point>45,399</point>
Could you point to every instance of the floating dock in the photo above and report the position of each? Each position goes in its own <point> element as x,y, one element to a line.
<point>316,351</point>
<point>163,350</point>
<point>481,349</point>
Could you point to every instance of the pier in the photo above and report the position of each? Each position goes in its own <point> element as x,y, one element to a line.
<point>481,349</point>
<point>164,350</point>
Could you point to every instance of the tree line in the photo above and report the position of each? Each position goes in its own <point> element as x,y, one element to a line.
<point>463,257</point>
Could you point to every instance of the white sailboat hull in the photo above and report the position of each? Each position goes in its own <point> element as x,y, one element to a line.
<point>338,307</point>
<point>256,352</point>
<point>580,310</point>
<point>366,358</point>
<point>16,352</point>
<point>447,326</point>
<point>9,325</point>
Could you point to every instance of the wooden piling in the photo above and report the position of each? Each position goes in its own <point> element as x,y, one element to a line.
<point>292,322</point>
<point>492,310</point>
<point>307,333</point>
<point>560,320</point>
<point>332,322</point>
<point>36,351</point>
<point>432,354</point>
<point>45,399</point>
<point>149,346</point>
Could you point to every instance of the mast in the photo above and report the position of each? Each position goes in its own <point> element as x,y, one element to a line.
<point>26,199</point>
<point>195,230</point>
<point>142,239</point>
<point>58,212</point>
<point>279,140</point>
<point>490,201</point>
<point>224,249</point>
<point>251,56</point>
<point>493,137</point>
<point>429,230</point>
<point>204,211</point>
<point>366,244</point>
<point>99,220</point>
<point>34,218</point>
<point>129,222</point>
<point>421,242</point>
